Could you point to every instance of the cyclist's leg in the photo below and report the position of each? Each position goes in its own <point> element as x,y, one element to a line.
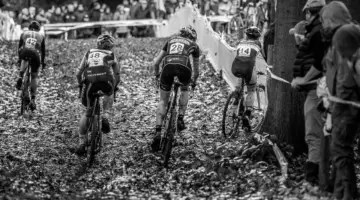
<point>23,65</point>
<point>184,75</point>
<point>251,89</point>
<point>107,88</point>
<point>166,81</point>
<point>35,65</point>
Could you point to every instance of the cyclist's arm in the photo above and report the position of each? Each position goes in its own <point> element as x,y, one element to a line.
<point>158,60</point>
<point>21,42</point>
<point>81,68</point>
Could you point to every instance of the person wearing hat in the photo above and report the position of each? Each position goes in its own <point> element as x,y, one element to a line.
<point>308,67</point>
<point>342,64</point>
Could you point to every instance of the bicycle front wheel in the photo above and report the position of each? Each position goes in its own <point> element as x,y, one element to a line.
<point>231,115</point>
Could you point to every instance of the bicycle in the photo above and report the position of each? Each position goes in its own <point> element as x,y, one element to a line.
<point>170,123</point>
<point>237,98</point>
<point>25,99</point>
<point>96,136</point>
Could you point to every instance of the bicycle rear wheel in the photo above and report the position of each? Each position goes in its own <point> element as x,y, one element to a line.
<point>93,140</point>
<point>168,141</point>
<point>232,114</point>
<point>25,100</point>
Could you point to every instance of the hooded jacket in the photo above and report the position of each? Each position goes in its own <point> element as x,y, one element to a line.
<point>311,50</point>
<point>338,15</point>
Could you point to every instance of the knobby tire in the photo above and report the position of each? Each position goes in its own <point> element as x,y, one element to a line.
<point>93,140</point>
<point>170,137</point>
<point>225,129</point>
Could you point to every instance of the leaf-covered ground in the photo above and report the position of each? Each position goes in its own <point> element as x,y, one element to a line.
<point>36,161</point>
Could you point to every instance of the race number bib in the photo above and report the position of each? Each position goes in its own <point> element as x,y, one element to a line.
<point>96,59</point>
<point>30,43</point>
<point>176,48</point>
<point>244,51</point>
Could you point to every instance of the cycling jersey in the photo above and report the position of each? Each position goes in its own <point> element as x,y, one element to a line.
<point>99,66</point>
<point>244,63</point>
<point>32,47</point>
<point>177,61</point>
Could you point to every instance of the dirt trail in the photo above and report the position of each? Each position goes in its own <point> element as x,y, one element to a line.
<point>35,161</point>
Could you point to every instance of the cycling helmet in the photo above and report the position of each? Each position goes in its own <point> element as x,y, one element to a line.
<point>188,32</point>
<point>34,25</point>
<point>105,41</point>
<point>253,32</point>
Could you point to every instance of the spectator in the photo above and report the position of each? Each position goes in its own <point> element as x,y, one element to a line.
<point>95,16</point>
<point>224,7</point>
<point>57,17</point>
<point>214,7</point>
<point>80,13</point>
<point>106,15</point>
<point>308,67</point>
<point>95,13</point>
<point>344,41</point>
<point>269,39</point>
<point>121,14</point>
<point>170,6</point>
<point>261,15</point>
<point>86,32</point>
<point>143,12</point>
<point>235,4</point>
<point>70,16</point>
<point>250,14</point>
<point>32,13</point>
<point>237,24</point>
<point>133,7</point>
<point>40,17</point>
<point>76,5</point>
<point>24,18</point>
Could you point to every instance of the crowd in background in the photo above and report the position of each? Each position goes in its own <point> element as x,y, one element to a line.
<point>245,13</point>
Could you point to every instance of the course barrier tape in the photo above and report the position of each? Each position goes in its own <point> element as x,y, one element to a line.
<point>331,98</point>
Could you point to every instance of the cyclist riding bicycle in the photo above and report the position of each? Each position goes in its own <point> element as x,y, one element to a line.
<point>31,48</point>
<point>175,56</point>
<point>98,71</point>
<point>244,66</point>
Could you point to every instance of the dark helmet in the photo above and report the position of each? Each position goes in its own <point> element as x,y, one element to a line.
<point>105,41</point>
<point>34,25</point>
<point>188,32</point>
<point>253,32</point>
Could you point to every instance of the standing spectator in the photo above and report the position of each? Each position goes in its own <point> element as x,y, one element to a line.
<point>342,83</point>
<point>76,5</point>
<point>95,16</point>
<point>70,16</point>
<point>214,7</point>
<point>224,7</point>
<point>95,13</point>
<point>32,13</point>
<point>121,14</point>
<point>85,32</point>
<point>134,5</point>
<point>40,17</point>
<point>106,15</point>
<point>57,17</point>
<point>80,13</point>
<point>237,24</point>
<point>308,67</point>
<point>170,6</point>
<point>235,4</point>
<point>144,11</point>
<point>24,18</point>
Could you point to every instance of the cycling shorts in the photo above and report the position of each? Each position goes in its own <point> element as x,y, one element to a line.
<point>32,56</point>
<point>87,97</point>
<point>244,69</point>
<point>170,71</point>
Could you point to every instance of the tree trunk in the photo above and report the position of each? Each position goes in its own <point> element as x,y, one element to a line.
<point>285,116</point>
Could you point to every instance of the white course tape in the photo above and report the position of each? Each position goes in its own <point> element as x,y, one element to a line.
<point>331,98</point>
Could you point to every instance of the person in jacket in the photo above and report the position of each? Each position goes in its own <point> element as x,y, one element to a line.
<point>80,13</point>
<point>121,14</point>
<point>342,81</point>
<point>308,67</point>
<point>57,16</point>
